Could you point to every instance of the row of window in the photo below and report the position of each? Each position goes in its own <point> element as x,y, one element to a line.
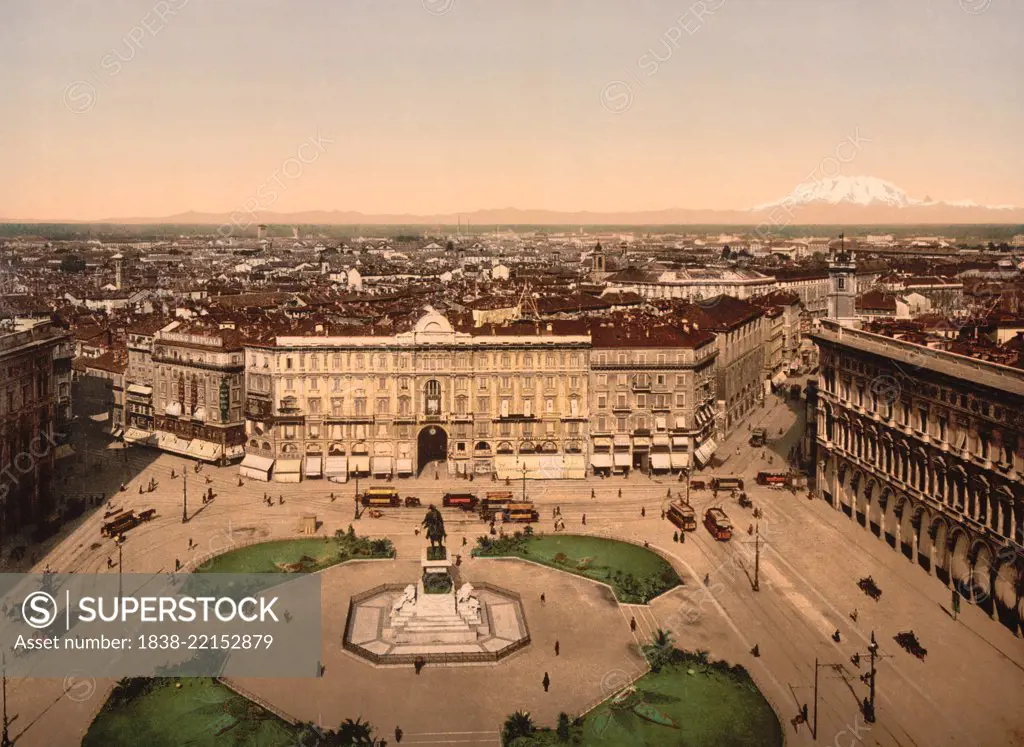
<point>424,361</point>
<point>337,432</point>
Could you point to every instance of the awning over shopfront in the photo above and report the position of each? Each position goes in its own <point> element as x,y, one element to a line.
<point>117,432</point>
<point>256,467</point>
<point>678,441</point>
<point>601,461</point>
<point>575,466</point>
<point>705,451</point>
<point>538,467</point>
<point>206,451</point>
<point>359,463</point>
<point>382,465</point>
<point>234,452</point>
<point>170,442</point>
<point>680,460</point>
<point>621,442</point>
<point>140,389</point>
<point>660,439</point>
<point>623,459</point>
<point>602,443</point>
<point>288,470</point>
<point>779,379</point>
<point>139,436</point>
<point>336,466</point>
<point>404,466</point>
<point>661,460</point>
<point>314,466</point>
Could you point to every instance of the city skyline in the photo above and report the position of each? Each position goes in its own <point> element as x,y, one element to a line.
<point>144,109</point>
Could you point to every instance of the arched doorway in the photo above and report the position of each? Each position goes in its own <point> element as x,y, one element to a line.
<point>431,446</point>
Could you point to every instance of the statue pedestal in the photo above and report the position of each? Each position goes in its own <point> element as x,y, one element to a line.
<point>422,619</point>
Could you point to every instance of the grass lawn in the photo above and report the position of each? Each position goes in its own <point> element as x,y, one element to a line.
<point>712,706</point>
<point>636,574</point>
<point>202,713</point>
<point>304,555</point>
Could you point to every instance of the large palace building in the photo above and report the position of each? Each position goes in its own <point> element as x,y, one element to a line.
<point>923,448</point>
<point>509,400</point>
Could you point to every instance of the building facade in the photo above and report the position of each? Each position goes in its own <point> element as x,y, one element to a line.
<point>198,382</point>
<point>652,396</point>
<point>923,448</point>
<point>30,408</point>
<point>510,401</point>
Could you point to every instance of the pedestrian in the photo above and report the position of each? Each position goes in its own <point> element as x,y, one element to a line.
<point>836,637</point>
<point>675,536</point>
<point>557,647</point>
<point>592,493</point>
<point>668,494</point>
<point>464,542</point>
<point>110,563</point>
<point>189,543</point>
<point>398,734</point>
<point>632,624</point>
<point>663,514</point>
<point>584,519</point>
<point>542,598</point>
<point>853,615</point>
<point>177,564</point>
<point>643,511</point>
<point>546,682</point>
<point>620,492</point>
<point>707,579</point>
<point>756,651</point>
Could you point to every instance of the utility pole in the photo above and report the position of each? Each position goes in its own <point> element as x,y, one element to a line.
<point>120,587</point>
<point>869,704</point>
<point>757,564</point>
<point>5,740</point>
<point>814,729</point>
<point>356,495</point>
<point>184,495</point>
<point>687,486</point>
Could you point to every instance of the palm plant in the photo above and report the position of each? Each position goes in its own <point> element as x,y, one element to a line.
<point>660,650</point>
<point>519,724</point>
<point>355,733</point>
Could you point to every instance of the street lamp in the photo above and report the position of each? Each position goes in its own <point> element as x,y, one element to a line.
<point>869,702</point>
<point>184,495</point>
<point>121,539</point>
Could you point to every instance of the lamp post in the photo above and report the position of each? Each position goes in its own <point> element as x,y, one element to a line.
<point>120,544</point>
<point>524,483</point>
<point>757,558</point>
<point>869,704</point>
<point>5,739</point>
<point>184,495</point>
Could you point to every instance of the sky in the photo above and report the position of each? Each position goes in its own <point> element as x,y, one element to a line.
<point>129,108</point>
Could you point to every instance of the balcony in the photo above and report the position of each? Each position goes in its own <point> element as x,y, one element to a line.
<point>621,407</point>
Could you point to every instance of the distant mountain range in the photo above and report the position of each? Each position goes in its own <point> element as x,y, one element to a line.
<point>834,201</point>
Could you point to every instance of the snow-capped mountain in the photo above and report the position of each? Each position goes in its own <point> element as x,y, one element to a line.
<point>864,191</point>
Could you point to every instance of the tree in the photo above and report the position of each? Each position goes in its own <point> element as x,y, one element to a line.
<point>450,246</point>
<point>519,724</point>
<point>562,730</point>
<point>433,524</point>
<point>726,252</point>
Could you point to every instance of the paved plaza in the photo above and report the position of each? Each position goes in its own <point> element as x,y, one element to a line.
<point>965,692</point>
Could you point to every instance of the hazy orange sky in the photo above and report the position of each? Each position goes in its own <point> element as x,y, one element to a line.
<point>125,108</point>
